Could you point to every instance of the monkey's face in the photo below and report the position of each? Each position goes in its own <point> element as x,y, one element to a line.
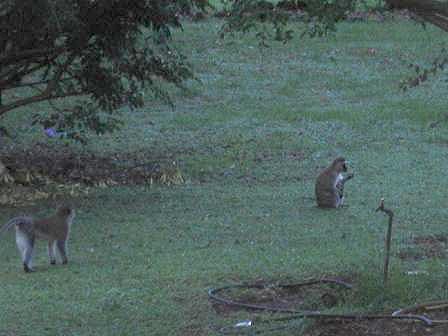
<point>340,165</point>
<point>65,211</point>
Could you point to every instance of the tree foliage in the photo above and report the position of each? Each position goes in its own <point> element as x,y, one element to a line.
<point>271,21</point>
<point>321,16</point>
<point>104,52</point>
<point>107,53</point>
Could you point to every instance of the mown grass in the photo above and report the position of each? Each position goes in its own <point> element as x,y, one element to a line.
<point>250,138</point>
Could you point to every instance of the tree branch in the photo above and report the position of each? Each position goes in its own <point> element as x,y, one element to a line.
<point>10,71</point>
<point>28,54</point>
<point>436,19</point>
<point>38,98</point>
<point>9,82</point>
<point>419,5</point>
<point>433,11</point>
<point>14,86</point>
<point>51,85</point>
<point>10,76</point>
<point>59,73</point>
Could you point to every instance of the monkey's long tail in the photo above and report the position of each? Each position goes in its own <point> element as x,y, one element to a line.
<point>15,221</point>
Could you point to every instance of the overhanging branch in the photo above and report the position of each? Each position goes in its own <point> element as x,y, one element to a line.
<point>52,84</point>
<point>10,79</point>
<point>432,11</point>
<point>38,98</point>
<point>25,55</point>
<point>30,84</point>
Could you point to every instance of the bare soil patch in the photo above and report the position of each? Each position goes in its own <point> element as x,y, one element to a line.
<point>44,172</point>
<point>423,247</point>
<point>42,162</point>
<point>374,328</point>
<point>299,297</point>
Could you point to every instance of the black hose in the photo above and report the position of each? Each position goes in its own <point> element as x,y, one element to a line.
<point>296,314</point>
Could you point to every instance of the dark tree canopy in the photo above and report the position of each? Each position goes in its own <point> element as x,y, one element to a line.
<point>321,16</point>
<point>106,52</point>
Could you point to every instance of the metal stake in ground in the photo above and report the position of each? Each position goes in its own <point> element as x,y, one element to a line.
<point>388,238</point>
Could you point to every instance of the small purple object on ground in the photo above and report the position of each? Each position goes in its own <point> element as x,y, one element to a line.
<point>51,132</point>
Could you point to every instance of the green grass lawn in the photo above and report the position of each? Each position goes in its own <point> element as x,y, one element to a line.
<point>250,138</point>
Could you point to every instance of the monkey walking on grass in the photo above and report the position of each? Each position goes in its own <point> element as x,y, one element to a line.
<point>54,229</point>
